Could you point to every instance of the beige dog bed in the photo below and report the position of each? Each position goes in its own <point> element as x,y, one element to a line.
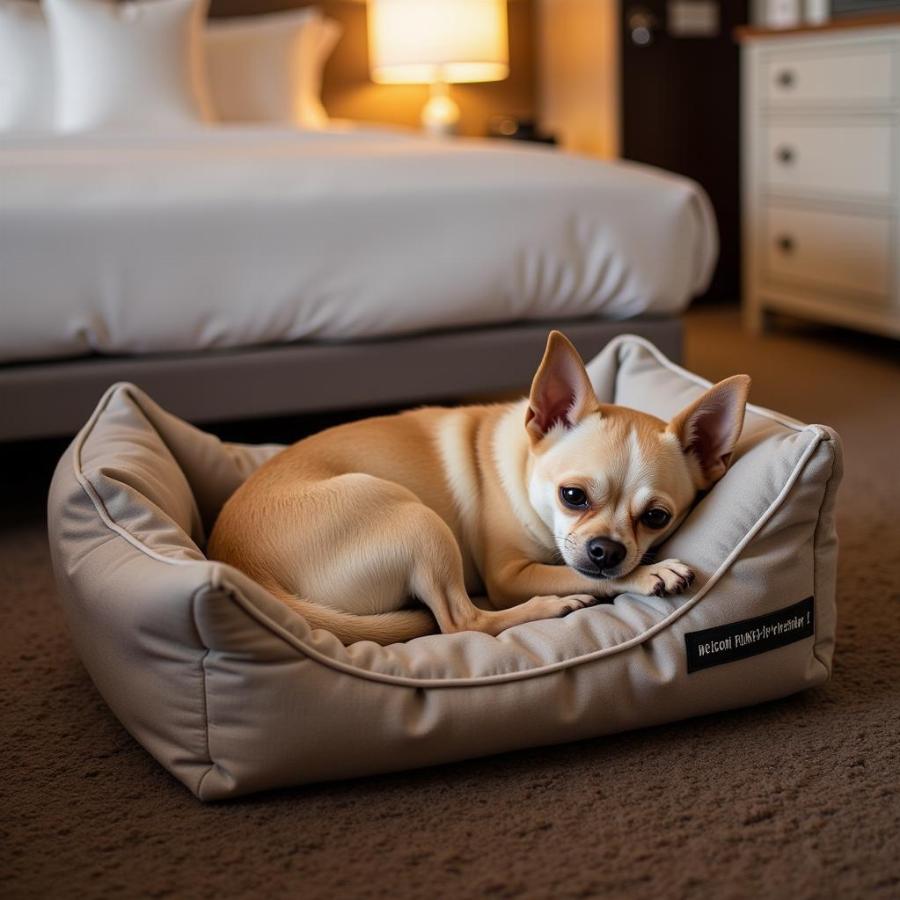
<point>233,692</point>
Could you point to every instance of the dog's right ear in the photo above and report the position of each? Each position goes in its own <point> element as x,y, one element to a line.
<point>561,393</point>
<point>709,428</point>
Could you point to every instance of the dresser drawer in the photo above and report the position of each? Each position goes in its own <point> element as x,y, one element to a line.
<point>839,251</point>
<point>852,159</point>
<point>836,75</point>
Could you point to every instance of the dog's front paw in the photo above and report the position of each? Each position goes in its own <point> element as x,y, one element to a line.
<point>553,606</point>
<point>664,579</point>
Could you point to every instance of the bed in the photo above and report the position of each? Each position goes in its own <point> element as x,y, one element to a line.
<point>234,692</point>
<point>253,270</point>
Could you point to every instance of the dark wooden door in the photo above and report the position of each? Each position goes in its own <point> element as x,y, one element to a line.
<point>681,106</point>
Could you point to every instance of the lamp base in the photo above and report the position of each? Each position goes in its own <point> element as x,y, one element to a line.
<point>440,115</point>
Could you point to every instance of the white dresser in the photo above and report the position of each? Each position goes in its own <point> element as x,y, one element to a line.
<point>821,176</point>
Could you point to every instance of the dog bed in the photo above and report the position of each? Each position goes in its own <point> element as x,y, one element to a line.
<point>233,692</point>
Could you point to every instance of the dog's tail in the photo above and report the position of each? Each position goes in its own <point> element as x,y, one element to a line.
<point>383,628</point>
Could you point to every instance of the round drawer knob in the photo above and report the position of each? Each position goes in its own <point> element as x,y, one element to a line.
<point>785,243</point>
<point>786,78</point>
<point>785,155</point>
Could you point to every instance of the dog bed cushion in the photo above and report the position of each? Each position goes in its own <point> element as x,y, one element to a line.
<point>233,692</point>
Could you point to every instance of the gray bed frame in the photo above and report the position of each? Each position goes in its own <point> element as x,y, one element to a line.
<point>51,399</point>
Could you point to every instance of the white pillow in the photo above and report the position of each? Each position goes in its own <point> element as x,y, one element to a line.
<point>26,76</point>
<point>269,68</point>
<point>134,64</point>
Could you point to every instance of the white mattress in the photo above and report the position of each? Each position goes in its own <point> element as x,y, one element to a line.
<point>234,237</point>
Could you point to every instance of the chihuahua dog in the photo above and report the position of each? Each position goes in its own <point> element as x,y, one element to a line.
<point>385,528</point>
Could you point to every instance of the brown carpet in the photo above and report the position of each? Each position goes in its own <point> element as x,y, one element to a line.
<point>799,798</point>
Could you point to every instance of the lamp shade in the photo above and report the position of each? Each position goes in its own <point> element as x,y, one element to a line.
<point>428,41</point>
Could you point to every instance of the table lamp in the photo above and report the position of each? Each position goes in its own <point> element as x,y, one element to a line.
<point>438,42</point>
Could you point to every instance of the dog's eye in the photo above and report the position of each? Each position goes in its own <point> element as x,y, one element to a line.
<point>573,497</point>
<point>656,517</point>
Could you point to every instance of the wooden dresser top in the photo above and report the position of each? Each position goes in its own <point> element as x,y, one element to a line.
<point>873,20</point>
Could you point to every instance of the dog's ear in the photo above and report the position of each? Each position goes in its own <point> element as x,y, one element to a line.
<point>561,392</point>
<point>709,428</point>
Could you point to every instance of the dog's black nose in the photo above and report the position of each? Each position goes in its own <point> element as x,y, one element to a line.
<point>604,553</point>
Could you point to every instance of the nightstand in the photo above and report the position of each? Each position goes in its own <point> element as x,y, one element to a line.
<point>821,169</point>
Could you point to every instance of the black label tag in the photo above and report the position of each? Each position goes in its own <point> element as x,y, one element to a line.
<point>727,643</point>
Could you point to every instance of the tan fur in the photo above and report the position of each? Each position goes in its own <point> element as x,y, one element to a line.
<point>357,527</point>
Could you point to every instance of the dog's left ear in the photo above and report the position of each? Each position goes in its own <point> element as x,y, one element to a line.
<point>561,392</point>
<point>709,428</point>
